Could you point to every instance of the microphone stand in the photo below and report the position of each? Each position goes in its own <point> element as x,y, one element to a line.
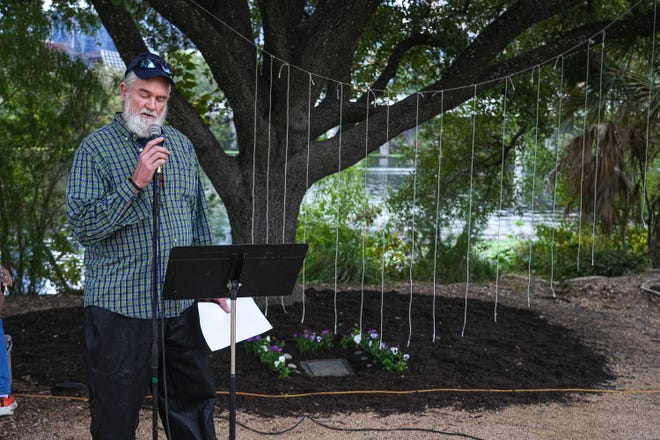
<point>233,284</point>
<point>158,181</point>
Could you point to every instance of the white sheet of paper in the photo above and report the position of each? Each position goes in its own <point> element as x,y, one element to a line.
<point>216,323</point>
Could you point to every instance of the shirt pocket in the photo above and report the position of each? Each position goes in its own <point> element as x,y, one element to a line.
<point>181,187</point>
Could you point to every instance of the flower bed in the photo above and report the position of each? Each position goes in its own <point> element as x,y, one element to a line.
<point>272,352</point>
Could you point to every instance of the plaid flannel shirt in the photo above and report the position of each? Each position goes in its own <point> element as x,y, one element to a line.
<point>115,225</point>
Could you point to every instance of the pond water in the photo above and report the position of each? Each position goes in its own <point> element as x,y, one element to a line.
<point>386,174</point>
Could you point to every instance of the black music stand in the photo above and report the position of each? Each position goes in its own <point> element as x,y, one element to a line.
<point>249,270</point>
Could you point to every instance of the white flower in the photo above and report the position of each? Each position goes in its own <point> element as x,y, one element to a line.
<point>406,357</point>
<point>357,338</point>
<point>395,350</point>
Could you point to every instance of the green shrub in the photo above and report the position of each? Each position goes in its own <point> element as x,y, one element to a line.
<point>563,253</point>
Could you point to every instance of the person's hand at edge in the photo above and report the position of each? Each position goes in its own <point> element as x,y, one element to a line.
<point>222,302</point>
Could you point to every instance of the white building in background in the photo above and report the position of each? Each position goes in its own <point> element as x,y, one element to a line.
<point>93,49</point>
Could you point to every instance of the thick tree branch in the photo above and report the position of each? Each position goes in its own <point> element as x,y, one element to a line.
<point>389,72</point>
<point>222,32</point>
<point>638,26</point>
<point>458,91</point>
<point>281,24</point>
<point>499,34</point>
<point>466,69</point>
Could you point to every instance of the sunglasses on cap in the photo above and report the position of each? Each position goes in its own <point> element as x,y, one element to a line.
<point>150,63</point>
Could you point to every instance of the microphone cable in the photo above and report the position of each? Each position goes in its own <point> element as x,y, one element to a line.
<point>160,183</point>
<point>341,429</point>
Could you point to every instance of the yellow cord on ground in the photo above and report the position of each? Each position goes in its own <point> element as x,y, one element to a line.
<point>442,390</point>
<point>395,392</point>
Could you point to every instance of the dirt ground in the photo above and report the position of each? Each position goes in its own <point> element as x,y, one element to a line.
<point>582,362</point>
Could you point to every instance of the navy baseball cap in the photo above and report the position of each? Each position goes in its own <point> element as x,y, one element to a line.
<point>149,65</point>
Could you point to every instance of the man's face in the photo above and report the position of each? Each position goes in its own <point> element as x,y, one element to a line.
<point>145,103</point>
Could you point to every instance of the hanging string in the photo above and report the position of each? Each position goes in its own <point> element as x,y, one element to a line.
<point>554,189</point>
<point>270,112</point>
<point>533,197</point>
<point>436,239</point>
<point>584,148</point>
<point>337,212</point>
<point>412,219</point>
<point>286,145</point>
<point>383,239</point>
<point>501,203</point>
<point>365,207</point>
<point>309,139</point>
<point>254,144</point>
<point>286,160</point>
<point>469,214</point>
<point>272,58</point>
<point>648,113</point>
<point>596,169</point>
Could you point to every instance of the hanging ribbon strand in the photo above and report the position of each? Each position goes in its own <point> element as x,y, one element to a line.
<point>412,219</point>
<point>286,146</point>
<point>365,214</point>
<point>436,239</point>
<point>560,96</point>
<point>652,65</point>
<point>338,212</point>
<point>254,143</point>
<point>533,195</point>
<point>469,213</point>
<point>596,167</point>
<point>286,159</point>
<point>383,237</point>
<point>584,148</point>
<point>501,202</point>
<point>270,112</point>
<point>256,184</point>
<point>309,141</point>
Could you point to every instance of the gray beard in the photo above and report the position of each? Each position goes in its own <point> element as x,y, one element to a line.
<point>136,124</point>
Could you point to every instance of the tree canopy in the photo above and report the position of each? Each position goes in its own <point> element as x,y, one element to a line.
<point>313,86</point>
<point>48,102</point>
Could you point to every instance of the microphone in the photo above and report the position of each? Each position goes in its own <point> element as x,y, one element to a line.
<point>156,131</point>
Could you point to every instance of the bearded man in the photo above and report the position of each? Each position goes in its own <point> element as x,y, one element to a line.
<point>109,204</point>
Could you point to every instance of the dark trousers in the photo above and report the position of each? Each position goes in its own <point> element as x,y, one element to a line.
<point>118,359</point>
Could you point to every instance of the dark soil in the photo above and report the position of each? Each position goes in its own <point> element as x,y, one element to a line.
<point>522,350</point>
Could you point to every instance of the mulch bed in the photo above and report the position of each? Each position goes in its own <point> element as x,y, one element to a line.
<point>522,350</point>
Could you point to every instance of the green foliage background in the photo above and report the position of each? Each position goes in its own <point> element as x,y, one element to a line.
<point>48,102</point>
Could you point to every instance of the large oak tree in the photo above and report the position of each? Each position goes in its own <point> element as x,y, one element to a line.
<point>271,59</point>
